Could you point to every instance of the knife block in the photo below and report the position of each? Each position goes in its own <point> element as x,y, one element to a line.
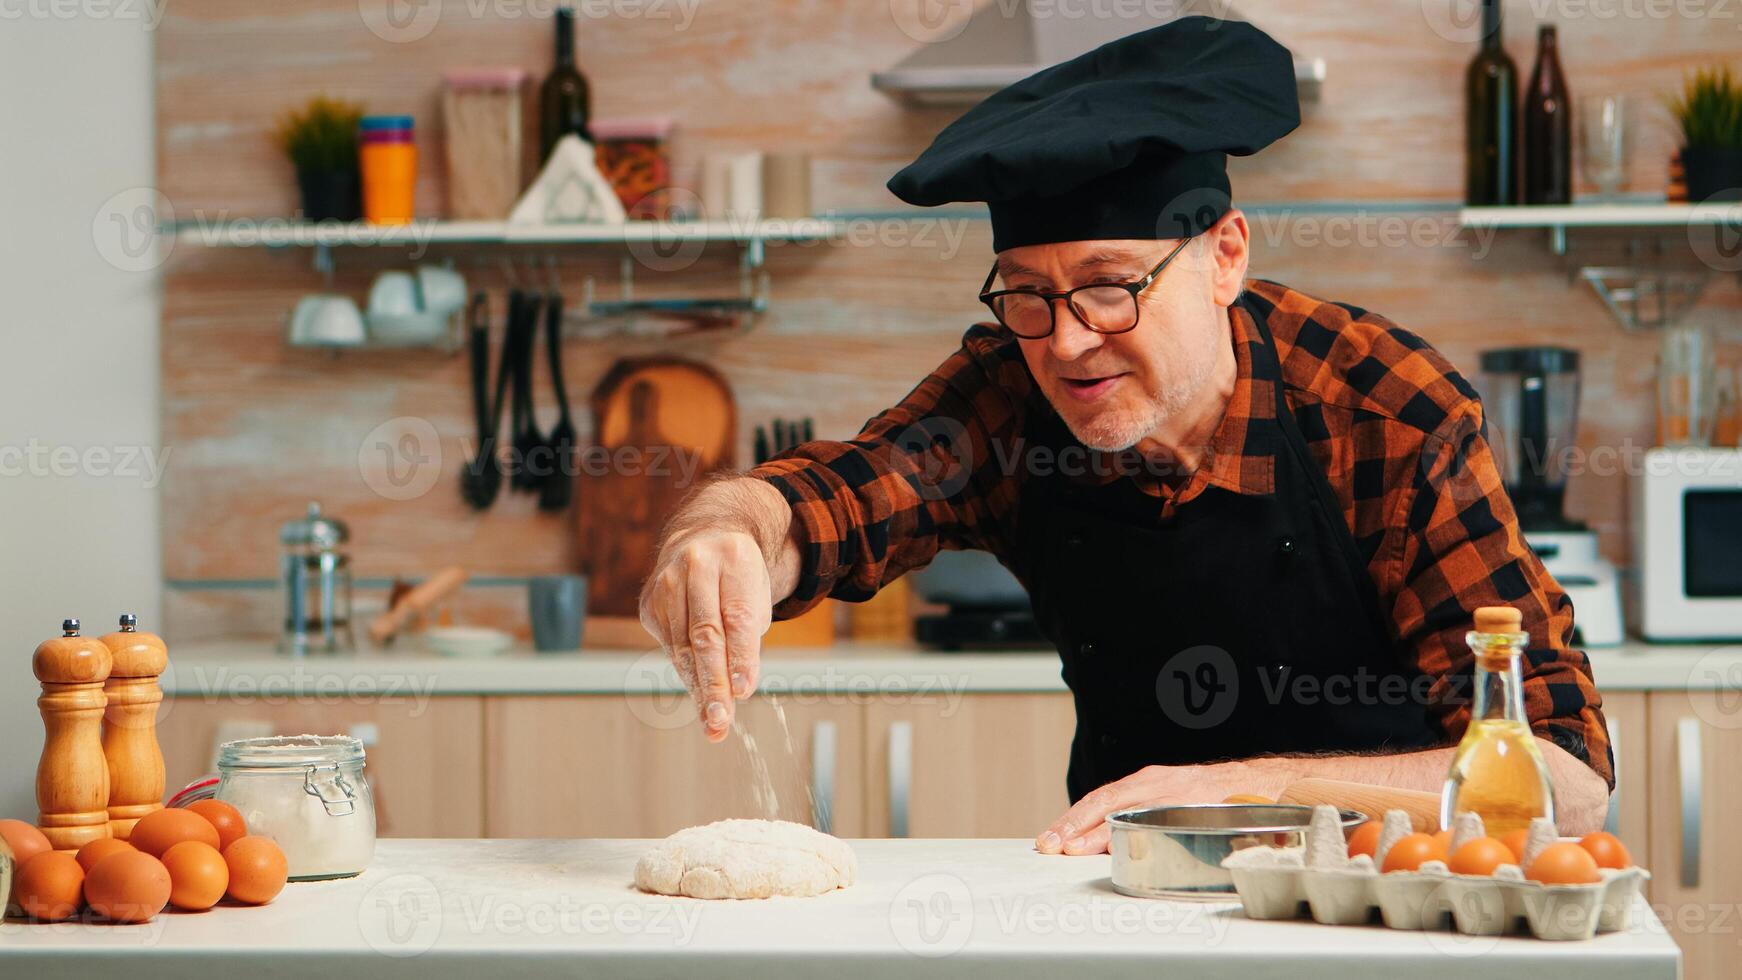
<point>135,760</point>
<point>72,779</point>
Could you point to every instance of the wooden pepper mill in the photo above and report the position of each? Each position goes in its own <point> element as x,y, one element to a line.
<point>72,780</point>
<point>130,725</point>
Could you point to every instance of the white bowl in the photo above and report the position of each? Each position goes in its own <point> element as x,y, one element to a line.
<point>467,641</point>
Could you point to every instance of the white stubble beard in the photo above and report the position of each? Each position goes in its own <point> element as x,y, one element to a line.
<point>1112,432</point>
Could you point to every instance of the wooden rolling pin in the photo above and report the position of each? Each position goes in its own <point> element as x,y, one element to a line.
<point>1423,807</point>
<point>427,593</point>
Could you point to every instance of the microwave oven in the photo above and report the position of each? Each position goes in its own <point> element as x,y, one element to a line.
<point>1687,544</point>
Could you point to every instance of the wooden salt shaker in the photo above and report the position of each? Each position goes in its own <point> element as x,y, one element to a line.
<point>130,725</point>
<point>72,780</point>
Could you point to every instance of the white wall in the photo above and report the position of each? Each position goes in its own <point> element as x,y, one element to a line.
<point>78,345</point>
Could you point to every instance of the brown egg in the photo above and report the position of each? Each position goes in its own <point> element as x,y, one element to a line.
<point>1365,839</point>
<point>24,839</point>
<point>127,886</point>
<point>99,849</point>
<point>1564,864</point>
<point>1515,841</point>
<point>198,876</point>
<point>226,819</point>
<point>257,870</point>
<point>50,886</point>
<point>1607,849</point>
<point>25,842</point>
<point>1411,852</point>
<point>160,831</point>
<point>1480,856</point>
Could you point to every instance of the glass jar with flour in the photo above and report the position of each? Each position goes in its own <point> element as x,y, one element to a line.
<point>308,793</point>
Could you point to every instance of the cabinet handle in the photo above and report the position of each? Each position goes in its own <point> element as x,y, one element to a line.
<point>1688,758</point>
<point>1612,822</point>
<point>900,775</point>
<point>823,777</point>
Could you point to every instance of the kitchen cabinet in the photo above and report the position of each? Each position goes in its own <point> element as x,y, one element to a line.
<point>638,766</point>
<point>1695,856</point>
<point>976,765</point>
<point>1628,734</point>
<point>424,756</point>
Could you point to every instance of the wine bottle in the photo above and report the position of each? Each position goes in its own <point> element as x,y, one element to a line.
<point>1548,129</point>
<point>1491,127</point>
<point>565,101</point>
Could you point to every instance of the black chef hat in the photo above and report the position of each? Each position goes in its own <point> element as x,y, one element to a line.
<point>1127,141</point>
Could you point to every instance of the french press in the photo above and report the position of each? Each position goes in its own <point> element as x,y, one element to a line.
<point>317,585</point>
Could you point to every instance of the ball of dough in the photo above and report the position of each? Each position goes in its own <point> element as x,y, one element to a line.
<point>747,859</point>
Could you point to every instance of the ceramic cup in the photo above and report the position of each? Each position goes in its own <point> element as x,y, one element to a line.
<point>326,320</point>
<point>394,293</point>
<point>443,289</point>
<point>558,607</point>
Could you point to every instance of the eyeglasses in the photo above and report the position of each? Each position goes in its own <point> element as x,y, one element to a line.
<point>1104,307</point>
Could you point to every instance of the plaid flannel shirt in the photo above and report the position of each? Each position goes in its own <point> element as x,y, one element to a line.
<point>1397,431</point>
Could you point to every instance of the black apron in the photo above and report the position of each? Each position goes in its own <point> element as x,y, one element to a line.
<point>1242,625</point>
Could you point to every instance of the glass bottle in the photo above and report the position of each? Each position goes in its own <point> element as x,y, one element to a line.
<point>1548,129</point>
<point>1491,128</point>
<point>1497,771</point>
<point>565,101</point>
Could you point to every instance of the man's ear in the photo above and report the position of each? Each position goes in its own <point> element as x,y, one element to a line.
<point>1227,242</point>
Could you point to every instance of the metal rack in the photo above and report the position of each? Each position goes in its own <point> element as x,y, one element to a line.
<point>626,314</point>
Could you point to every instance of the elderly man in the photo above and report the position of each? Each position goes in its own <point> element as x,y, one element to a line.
<point>1255,523</point>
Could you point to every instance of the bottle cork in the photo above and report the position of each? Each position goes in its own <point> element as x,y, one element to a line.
<point>1499,619</point>
<point>130,725</point>
<point>72,780</point>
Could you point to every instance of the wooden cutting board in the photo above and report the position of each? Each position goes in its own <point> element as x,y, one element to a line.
<point>661,424</point>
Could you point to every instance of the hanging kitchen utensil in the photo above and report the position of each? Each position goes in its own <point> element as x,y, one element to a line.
<point>531,453</point>
<point>559,487</point>
<point>665,423</point>
<point>482,477</point>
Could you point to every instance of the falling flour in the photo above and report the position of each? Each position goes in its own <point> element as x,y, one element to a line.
<point>762,790</point>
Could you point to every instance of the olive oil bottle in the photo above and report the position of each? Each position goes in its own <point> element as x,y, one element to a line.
<point>1497,771</point>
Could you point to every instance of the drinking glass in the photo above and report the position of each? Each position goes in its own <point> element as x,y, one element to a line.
<point>1687,402</point>
<point>1603,143</point>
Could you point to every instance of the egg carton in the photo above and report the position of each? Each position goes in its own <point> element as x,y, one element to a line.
<point>1320,880</point>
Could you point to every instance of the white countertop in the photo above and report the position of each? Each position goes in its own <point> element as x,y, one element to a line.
<point>506,909</point>
<point>211,669</point>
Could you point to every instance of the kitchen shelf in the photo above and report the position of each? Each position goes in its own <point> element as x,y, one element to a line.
<point>275,233</point>
<point>1557,218</point>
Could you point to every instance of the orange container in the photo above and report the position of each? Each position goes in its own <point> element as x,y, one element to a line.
<point>389,165</point>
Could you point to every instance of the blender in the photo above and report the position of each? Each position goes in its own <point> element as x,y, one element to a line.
<point>1531,401</point>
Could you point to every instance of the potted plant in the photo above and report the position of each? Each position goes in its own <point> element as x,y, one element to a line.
<point>1710,114</point>
<point>321,141</point>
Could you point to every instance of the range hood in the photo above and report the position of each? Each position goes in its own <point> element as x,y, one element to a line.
<point>1008,40</point>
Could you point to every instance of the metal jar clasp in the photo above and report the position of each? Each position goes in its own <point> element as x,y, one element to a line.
<point>327,784</point>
